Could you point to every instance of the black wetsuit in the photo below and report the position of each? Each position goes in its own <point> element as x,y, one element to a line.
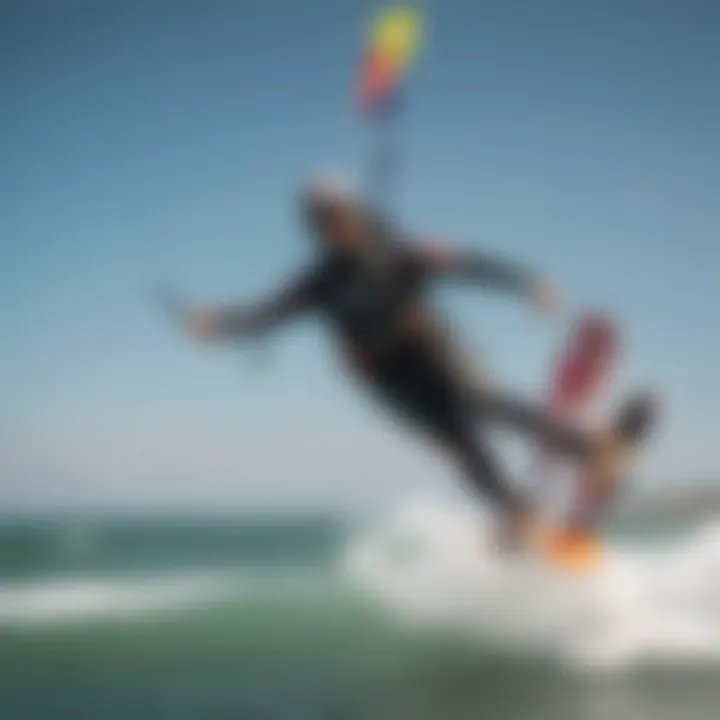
<point>375,303</point>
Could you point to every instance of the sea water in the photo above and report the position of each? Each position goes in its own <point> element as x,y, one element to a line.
<point>409,615</point>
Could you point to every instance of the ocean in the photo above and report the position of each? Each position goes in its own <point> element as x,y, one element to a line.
<point>407,616</point>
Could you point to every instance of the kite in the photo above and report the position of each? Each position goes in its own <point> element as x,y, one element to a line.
<point>392,44</point>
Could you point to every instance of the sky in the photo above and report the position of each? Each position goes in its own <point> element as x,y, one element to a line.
<point>152,141</point>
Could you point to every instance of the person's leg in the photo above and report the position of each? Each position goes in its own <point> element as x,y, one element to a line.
<point>480,468</point>
<point>519,522</point>
<point>533,420</point>
<point>433,399</point>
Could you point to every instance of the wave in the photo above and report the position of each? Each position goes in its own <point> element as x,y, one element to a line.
<point>48,601</point>
<point>433,567</point>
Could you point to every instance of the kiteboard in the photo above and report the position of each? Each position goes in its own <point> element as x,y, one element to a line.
<point>580,376</point>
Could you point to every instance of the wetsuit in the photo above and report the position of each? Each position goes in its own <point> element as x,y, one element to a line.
<point>375,303</point>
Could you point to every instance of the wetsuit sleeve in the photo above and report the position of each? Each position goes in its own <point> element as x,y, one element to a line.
<point>483,268</point>
<point>292,299</point>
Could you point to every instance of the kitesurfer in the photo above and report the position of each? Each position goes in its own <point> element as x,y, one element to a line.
<point>370,284</point>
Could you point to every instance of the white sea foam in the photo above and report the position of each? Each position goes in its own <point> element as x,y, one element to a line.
<point>434,566</point>
<point>47,601</point>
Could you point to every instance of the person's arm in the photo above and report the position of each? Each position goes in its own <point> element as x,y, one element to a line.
<point>241,321</point>
<point>487,269</point>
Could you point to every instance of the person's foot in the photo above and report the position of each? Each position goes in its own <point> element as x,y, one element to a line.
<point>614,446</point>
<point>637,418</point>
<point>517,530</point>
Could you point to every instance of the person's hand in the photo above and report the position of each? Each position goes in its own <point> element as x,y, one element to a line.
<point>545,298</point>
<point>203,325</point>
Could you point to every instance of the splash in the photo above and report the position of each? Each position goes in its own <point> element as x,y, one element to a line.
<point>434,567</point>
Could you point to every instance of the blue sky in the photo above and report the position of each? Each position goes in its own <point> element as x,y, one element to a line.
<point>157,139</point>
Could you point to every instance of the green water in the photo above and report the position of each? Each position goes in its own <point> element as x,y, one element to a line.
<point>279,634</point>
<point>77,544</point>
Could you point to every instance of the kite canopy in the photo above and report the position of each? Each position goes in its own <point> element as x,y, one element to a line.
<point>392,44</point>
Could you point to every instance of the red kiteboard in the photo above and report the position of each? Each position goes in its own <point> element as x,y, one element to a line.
<point>584,366</point>
<point>581,372</point>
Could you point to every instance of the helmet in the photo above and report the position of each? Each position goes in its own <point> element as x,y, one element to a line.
<point>329,191</point>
